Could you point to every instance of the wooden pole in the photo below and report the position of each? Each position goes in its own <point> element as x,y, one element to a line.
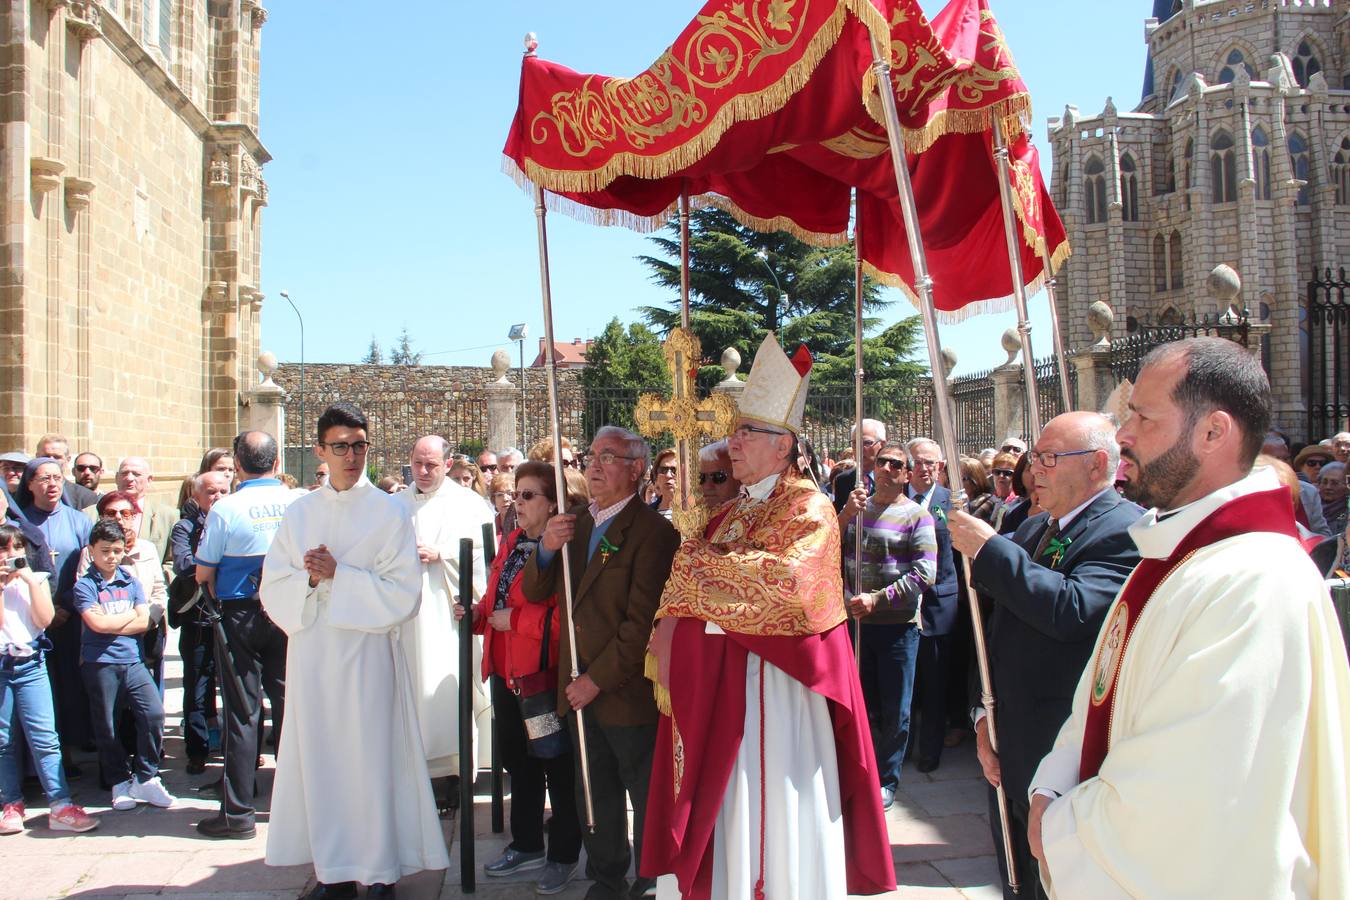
<point>923,286</point>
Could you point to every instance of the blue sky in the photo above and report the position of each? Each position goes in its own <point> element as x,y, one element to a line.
<point>387,203</point>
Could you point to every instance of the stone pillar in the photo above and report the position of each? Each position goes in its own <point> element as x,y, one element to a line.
<point>1009,391</point>
<point>1093,365</point>
<point>731,385</point>
<point>265,406</point>
<point>502,415</point>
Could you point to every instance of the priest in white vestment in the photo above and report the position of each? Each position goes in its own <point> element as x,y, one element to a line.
<point>1206,753</point>
<point>352,794</point>
<point>443,512</point>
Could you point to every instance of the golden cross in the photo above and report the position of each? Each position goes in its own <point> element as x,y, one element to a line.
<point>686,418</point>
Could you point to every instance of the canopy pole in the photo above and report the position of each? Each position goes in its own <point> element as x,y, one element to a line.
<point>684,257</point>
<point>560,486</point>
<point>1061,364</point>
<point>923,285</point>
<point>1019,291</point>
<point>857,423</point>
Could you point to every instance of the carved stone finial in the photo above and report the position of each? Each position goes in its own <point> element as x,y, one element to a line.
<point>1110,108</point>
<point>948,361</point>
<point>259,17</point>
<point>731,361</point>
<point>267,366</point>
<point>1317,84</point>
<point>1100,318</point>
<point>1011,342</point>
<point>501,362</point>
<point>1224,284</point>
<point>218,172</point>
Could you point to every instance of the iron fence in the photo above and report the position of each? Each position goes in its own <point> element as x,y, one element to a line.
<point>1327,380</point>
<point>973,399</point>
<point>1048,393</point>
<point>1129,352</point>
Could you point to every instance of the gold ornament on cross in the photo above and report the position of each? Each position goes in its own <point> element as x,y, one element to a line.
<point>686,418</point>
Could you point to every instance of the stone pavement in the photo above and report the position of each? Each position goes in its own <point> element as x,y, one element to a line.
<point>939,830</point>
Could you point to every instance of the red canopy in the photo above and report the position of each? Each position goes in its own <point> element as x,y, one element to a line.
<point>768,109</point>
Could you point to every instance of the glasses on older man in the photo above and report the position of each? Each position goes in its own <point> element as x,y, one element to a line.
<point>1048,460</point>
<point>718,477</point>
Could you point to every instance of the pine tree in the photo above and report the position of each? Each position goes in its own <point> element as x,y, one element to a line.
<point>403,354</point>
<point>374,356</point>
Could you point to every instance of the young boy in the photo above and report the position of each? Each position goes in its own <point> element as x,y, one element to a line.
<point>112,605</point>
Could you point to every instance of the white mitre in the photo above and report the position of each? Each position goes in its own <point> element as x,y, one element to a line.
<point>775,392</point>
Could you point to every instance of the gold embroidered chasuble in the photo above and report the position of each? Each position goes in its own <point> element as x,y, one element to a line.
<point>770,568</point>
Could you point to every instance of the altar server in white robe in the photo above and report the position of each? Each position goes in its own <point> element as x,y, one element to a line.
<point>352,794</point>
<point>442,513</point>
<point>1206,753</point>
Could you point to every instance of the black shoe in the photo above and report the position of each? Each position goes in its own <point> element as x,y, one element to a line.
<point>380,890</point>
<point>216,827</point>
<point>342,890</point>
<point>642,887</point>
<point>196,765</point>
<point>928,764</point>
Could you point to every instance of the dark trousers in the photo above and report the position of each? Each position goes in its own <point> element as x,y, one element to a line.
<point>530,777</point>
<point>1019,812</point>
<point>889,654</point>
<point>196,647</point>
<point>110,684</point>
<point>73,721</point>
<point>933,676</point>
<point>620,761</point>
<point>258,654</point>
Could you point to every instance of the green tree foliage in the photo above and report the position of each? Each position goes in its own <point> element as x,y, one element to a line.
<point>374,356</point>
<point>744,283</point>
<point>620,364</point>
<point>403,354</point>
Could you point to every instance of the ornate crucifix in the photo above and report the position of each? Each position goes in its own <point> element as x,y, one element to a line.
<point>686,418</point>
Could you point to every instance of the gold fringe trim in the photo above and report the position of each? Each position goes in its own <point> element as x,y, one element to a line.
<point>773,223</point>
<point>1009,111</point>
<point>651,669</point>
<point>745,108</point>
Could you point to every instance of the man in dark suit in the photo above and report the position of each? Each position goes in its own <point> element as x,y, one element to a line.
<point>873,436</point>
<point>1051,583</point>
<point>937,608</point>
<point>620,551</point>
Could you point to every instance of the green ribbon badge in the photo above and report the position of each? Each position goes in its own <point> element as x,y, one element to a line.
<point>607,549</point>
<point>1055,550</point>
<point>939,514</point>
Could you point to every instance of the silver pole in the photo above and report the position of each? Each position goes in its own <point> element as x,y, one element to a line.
<point>1019,292</point>
<point>923,285</point>
<point>857,426</point>
<point>560,486</point>
<point>1056,335</point>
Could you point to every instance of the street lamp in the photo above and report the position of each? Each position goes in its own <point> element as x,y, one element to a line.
<point>300,429</point>
<point>517,334</point>
<point>764,258</point>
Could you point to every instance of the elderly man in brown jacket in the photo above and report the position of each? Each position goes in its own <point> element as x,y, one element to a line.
<point>620,554</point>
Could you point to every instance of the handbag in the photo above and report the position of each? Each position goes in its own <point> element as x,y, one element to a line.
<point>537,694</point>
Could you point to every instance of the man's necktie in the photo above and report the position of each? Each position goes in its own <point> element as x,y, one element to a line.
<point>1051,532</point>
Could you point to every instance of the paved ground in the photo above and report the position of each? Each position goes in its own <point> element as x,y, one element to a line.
<point>939,832</point>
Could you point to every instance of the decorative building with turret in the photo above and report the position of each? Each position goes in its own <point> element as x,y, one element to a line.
<point>1238,153</point>
<point>132,200</point>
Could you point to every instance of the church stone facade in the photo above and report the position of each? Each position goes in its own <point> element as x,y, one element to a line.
<point>132,200</point>
<point>1238,153</point>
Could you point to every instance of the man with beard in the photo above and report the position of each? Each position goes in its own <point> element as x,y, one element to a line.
<point>1205,754</point>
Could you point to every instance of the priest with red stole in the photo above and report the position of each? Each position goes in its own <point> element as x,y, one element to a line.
<point>764,782</point>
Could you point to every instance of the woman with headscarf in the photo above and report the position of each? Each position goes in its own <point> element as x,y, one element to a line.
<point>65,531</point>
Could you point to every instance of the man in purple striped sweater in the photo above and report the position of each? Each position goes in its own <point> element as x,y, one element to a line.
<point>899,560</point>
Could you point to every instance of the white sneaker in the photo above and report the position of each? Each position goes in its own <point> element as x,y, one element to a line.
<point>121,796</point>
<point>151,792</point>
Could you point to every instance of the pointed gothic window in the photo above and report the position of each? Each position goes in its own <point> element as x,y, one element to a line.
<point>1189,175</point>
<point>1261,162</point>
<point>1340,172</point>
<point>1174,261</point>
<point>1300,161</point>
<point>1159,264</point>
<point>1306,63</point>
<point>1223,168</point>
<point>1129,189</point>
<point>1234,61</point>
<point>1094,187</point>
<point>1174,91</point>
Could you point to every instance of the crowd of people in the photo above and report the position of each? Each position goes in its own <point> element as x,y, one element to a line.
<point>837,591</point>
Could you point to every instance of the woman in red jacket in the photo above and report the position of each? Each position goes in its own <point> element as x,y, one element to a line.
<point>520,639</point>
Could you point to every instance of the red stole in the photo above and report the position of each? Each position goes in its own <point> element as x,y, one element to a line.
<point>1271,511</point>
<point>709,708</point>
